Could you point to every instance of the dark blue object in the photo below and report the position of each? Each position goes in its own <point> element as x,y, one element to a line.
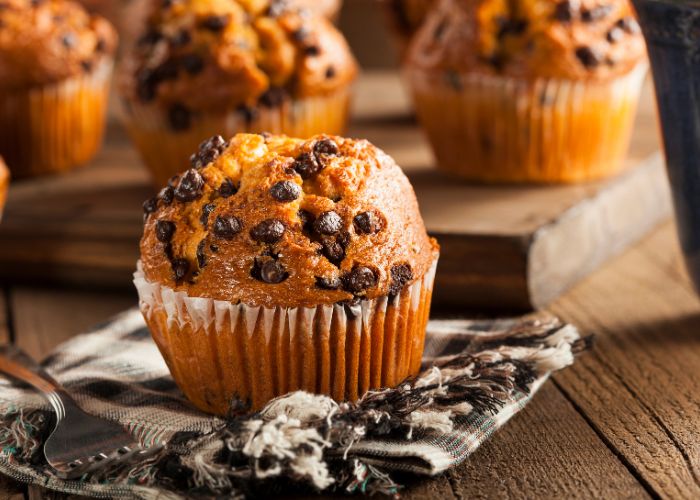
<point>672,32</point>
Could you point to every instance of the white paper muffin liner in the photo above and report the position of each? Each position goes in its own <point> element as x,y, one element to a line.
<point>219,352</point>
<point>503,129</point>
<point>166,152</point>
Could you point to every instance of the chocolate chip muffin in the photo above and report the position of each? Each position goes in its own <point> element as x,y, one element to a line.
<point>4,184</point>
<point>528,90</point>
<point>275,264</point>
<point>55,68</point>
<point>225,66</point>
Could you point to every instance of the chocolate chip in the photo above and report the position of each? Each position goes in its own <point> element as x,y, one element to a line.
<point>333,250</point>
<point>150,206</point>
<point>307,165</point>
<point>629,25</point>
<point>367,223</point>
<point>201,256</point>
<point>100,45</point>
<point>330,72</point>
<point>208,151</point>
<point>181,39</point>
<point>328,283</point>
<point>312,50</point>
<point>268,231</point>
<point>215,23</point>
<point>180,268</point>
<point>359,279</point>
<point>227,188</point>
<point>273,272</point>
<point>166,195</point>
<point>596,13</point>
<point>328,223</point>
<point>325,147</point>
<point>285,191</point>
<point>192,63</point>
<point>565,11</point>
<point>300,34</point>
<point>511,27</point>
<point>454,80</point>
<point>190,186</point>
<point>615,34</point>
<point>273,97</point>
<point>401,274</point>
<point>206,211</point>
<point>227,227</point>
<point>86,66</point>
<point>440,29</point>
<point>248,113</point>
<point>179,117</point>
<point>165,230</point>
<point>145,86</point>
<point>150,38</point>
<point>307,220</point>
<point>589,57</point>
<point>69,40</point>
<point>214,248</point>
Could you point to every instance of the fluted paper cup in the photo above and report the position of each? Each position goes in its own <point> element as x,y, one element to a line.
<point>500,129</point>
<point>166,152</point>
<point>53,128</point>
<point>221,353</point>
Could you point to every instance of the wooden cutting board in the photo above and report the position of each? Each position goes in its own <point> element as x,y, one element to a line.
<point>507,248</point>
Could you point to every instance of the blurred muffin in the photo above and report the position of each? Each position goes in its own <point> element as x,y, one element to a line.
<point>528,90</point>
<point>276,264</point>
<point>55,68</point>
<point>406,16</point>
<point>211,66</point>
<point>4,184</point>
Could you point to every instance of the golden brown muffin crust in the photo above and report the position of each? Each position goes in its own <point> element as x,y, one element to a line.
<point>275,221</point>
<point>571,39</point>
<point>43,42</point>
<point>243,52</point>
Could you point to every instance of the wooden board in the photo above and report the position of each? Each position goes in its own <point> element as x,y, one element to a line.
<point>502,247</point>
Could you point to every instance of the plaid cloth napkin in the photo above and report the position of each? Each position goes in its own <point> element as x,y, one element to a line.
<point>477,375</point>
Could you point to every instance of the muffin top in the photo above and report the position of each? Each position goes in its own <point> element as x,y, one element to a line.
<point>274,221</point>
<point>570,39</point>
<point>327,8</point>
<point>42,42</point>
<point>243,52</point>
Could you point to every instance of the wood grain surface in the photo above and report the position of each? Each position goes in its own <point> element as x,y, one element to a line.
<point>503,247</point>
<point>621,423</point>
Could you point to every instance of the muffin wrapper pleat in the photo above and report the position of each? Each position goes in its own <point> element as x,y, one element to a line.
<point>503,129</point>
<point>166,152</point>
<point>53,128</point>
<point>225,355</point>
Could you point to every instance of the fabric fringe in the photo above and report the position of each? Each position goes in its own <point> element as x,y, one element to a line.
<point>310,441</point>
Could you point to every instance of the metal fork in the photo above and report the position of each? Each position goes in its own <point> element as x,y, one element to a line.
<point>79,443</point>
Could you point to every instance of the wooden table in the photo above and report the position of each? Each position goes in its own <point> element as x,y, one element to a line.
<point>623,422</point>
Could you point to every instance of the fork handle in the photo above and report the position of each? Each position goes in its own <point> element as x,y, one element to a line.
<point>18,364</point>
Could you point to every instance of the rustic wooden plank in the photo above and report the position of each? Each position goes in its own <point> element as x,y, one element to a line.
<point>640,387</point>
<point>504,247</point>
<point>44,318</point>
<point>546,451</point>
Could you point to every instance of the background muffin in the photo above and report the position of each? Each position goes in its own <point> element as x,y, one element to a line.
<point>4,184</point>
<point>210,66</point>
<point>527,90</point>
<point>305,263</point>
<point>55,67</point>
